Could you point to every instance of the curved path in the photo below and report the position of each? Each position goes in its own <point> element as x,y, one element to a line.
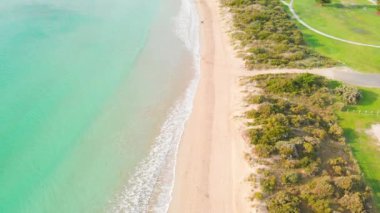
<point>290,5</point>
<point>343,74</point>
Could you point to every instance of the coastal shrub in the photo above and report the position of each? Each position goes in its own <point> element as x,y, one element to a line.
<point>313,168</point>
<point>308,148</point>
<point>317,204</point>
<point>297,120</point>
<point>308,83</point>
<point>300,84</point>
<point>255,99</point>
<point>251,114</point>
<point>352,202</point>
<point>338,161</point>
<point>258,196</point>
<point>338,170</point>
<point>264,111</point>
<point>269,134</point>
<point>290,164</point>
<point>266,36</point>
<point>284,202</point>
<point>321,187</point>
<point>321,99</point>
<point>346,183</point>
<point>263,150</point>
<point>301,136</point>
<point>336,131</point>
<point>290,178</point>
<point>351,95</point>
<point>338,166</point>
<point>268,183</point>
<point>319,133</point>
<point>255,135</point>
<point>298,109</point>
<point>287,149</point>
<point>305,162</point>
<point>320,205</point>
<point>274,133</point>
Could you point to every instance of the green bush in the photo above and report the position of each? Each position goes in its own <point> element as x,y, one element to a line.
<point>317,204</point>
<point>263,150</point>
<point>313,168</point>
<point>258,196</point>
<point>336,131</point>
<point>255,99</point>
<point>268,184</point>
<point>270,133</point>
<point>338,170</point>
<point>353,203</point>
<point>287,149</point>
<point>346,183</point>
<point>290,178</point>
<point>300,84</point>
<point>337,161</point>
<point>351,95</point>
<point>321,188</point>
<point>284,202</point>
<point>255,135</point>
<point>309,148</point>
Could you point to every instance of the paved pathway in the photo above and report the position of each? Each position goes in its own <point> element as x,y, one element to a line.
<point>290,5</point>
<point>373,1</point>
<point>337,73</point>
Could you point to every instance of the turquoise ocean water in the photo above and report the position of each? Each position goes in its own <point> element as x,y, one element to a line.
<point>93,98</point>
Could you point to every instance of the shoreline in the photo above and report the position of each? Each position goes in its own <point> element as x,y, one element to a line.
<point>211,170</point>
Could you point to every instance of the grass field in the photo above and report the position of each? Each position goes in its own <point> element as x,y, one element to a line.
<point>354,20</point>
<point>365,148</point>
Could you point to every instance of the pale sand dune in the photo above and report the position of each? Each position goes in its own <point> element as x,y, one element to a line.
<point>375,130</point>
<point>211,169</point>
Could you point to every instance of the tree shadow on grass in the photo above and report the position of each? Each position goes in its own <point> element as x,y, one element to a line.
<point>375,186</point>
<point>369,97</point>
<point>311,40</point>
<point>351,136</point>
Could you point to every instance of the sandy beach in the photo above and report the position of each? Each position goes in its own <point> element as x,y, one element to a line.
<point>211,170</point>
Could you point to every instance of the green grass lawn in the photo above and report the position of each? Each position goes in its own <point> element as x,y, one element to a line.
<point>354,20</point>
<point>365,148</point>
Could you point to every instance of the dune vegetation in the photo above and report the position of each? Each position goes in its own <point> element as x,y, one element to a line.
<point>294,131</point>
<point>266,36</point>
<point>314,147</point>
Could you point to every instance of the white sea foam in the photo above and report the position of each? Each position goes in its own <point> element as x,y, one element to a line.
<point>157,172</point>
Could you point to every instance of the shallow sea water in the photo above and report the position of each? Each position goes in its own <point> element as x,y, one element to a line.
<point>85,89</point>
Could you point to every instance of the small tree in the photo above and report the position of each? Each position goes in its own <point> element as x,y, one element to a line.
<point>284,202</point>
<point>268,184</point>
<point>378,7</point>
<point>351,95</point>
